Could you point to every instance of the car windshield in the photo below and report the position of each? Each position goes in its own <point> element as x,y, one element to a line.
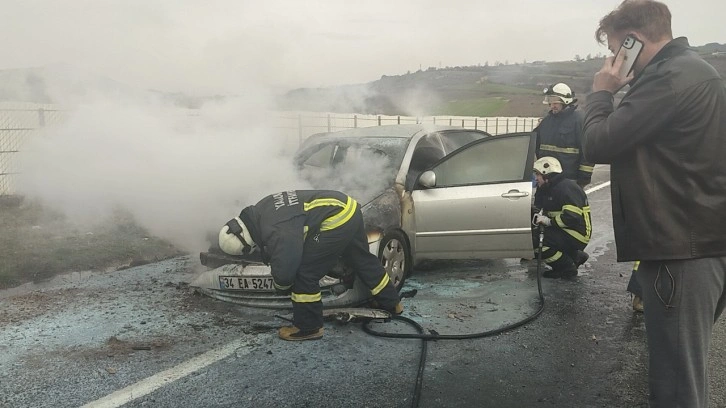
<point>361,167</point>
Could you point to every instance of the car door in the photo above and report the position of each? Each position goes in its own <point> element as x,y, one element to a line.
<point>479,205</point>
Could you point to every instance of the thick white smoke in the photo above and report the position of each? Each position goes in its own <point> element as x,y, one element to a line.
<point>179,172</point>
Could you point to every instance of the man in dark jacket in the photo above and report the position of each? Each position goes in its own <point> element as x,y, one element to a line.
<point>666,143</point>
<point>565,216</point>
<point>301,234</point>
<point>559,134</point>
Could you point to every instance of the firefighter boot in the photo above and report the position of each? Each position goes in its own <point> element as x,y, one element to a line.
<point>580,258</point>
<point>396,310</point>
<point>561,268</point>
<point>292,333</point>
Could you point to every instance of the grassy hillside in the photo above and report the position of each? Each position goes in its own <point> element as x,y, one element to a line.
<point>503,90</point>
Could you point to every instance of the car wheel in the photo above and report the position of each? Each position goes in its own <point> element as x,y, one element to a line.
<point>395,256</point>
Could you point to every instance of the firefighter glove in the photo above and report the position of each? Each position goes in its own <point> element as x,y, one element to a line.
<point>542,220</point>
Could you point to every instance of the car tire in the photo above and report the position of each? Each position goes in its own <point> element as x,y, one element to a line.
<point>395,256</point>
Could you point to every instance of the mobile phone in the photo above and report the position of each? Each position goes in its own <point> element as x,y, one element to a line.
<point>631,47</point>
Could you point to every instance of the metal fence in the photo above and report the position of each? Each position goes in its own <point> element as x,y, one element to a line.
<point>19,122</point>
<point>299,125</point>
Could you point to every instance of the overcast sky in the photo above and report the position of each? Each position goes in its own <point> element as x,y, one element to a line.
<point>205,47</point>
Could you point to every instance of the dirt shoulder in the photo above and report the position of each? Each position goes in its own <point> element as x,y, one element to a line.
<point>37,243</point>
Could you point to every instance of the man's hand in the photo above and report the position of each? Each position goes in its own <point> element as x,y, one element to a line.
<point>608,78</point>
<point>540,219</point>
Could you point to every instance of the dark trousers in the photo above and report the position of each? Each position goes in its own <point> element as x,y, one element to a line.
<point>558,247</point>
<point>633,285</point>
<point>682,299</point>
<point>320,255</point>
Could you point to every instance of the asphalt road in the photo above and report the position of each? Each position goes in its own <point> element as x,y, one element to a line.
<point>142,338</point>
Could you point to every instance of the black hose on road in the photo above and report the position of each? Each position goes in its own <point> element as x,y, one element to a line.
<point>426,337</point>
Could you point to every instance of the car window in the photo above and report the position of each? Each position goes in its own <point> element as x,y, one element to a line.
<point>496,160</point>
<point>362,168</point>
<point>427,152</point>
<point>453,140</point>
<point>320,158</point>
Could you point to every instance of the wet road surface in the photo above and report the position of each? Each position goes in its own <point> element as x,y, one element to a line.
<point>142,337</point>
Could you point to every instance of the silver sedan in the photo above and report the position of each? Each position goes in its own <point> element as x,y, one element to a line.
<point>430,192</point>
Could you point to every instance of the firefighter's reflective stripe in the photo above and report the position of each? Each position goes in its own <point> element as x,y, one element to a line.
<point>306,297</point>
<point>581,212</point>
<point>381,285</point>
<point>557,255</point>
<point>338,219</point>
<point>322,202</point>
<point>552,148</point>
<point>305,232</point>
<point>588,169</point>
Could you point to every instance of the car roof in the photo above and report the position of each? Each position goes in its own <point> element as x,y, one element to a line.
<point>395,131</point>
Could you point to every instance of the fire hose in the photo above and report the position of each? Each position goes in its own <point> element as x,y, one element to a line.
<point>424,337</point>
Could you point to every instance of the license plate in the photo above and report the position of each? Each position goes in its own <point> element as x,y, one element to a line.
<point>240,283</point>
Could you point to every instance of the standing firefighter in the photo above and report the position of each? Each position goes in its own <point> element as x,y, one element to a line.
<point>565,216</point>
<point>301,234</point>
<point>559,135</point>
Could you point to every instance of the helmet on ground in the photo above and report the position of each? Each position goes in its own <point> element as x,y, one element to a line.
<point>559,93</point>
<point>235,238</point>
<point>547,165</point>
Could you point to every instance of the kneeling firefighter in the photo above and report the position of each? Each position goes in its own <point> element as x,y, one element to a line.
<point>561,207</point>
<point>300,235</point>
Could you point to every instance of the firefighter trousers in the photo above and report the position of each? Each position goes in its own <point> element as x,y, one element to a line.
<point>320,254</point>
<point>559,249</point>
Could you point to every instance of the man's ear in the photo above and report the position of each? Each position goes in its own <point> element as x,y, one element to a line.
<point>638,36</point>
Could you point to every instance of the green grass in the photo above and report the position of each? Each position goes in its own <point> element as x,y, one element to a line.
<point>501,89</point>
<point>472,107</point>
<point>37,244</point>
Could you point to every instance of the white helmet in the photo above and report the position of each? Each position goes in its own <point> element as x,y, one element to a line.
<point>547,165</point>
<point>559,91</point>
<point>235,238</point>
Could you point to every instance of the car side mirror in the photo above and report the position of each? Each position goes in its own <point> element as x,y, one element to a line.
<point>427,179</point>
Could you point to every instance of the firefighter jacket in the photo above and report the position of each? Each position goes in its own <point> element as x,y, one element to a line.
<point>560,136</point>
<point>666,143</point>
<point>566,204</point>
<point>280,223</point>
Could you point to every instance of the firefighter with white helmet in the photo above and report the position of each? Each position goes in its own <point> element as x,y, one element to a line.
<point>559,134</point>
<point>564,213</point>
<point>301,234</point>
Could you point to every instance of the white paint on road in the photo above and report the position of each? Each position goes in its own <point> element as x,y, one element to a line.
<point>597,187</point>
<point>163,378</point>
